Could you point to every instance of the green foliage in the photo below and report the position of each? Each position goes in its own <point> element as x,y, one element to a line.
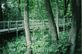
<point>15,46</point>
<point>41,40</point>
<point>41,44</point>
<point>44,44</point>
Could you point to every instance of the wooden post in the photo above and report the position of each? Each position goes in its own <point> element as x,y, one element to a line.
<point>16,28</point>
<point>8,25</point>
<point>16,25</point>
<point>23,24</point>
<point>3,24</point>
<point>43,27</point>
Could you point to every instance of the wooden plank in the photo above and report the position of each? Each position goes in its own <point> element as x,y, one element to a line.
<point>11,29</point>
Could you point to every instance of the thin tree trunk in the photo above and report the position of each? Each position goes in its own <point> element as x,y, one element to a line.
<point>66,3</point>
<point>1,16</point>
<point>56,20</point>
<point>19,9</point>
<point>26,27</point>
<point>19,5</point>
<point>52,24</point>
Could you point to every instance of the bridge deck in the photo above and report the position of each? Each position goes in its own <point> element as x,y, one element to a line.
<point>11,29</point>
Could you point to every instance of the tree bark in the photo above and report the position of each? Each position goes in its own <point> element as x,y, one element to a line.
<point>19,9</point>
<point>52,24</point>
<point>26,27</point>
<point>57,14</point>
<point>81,27</point>
<point>19,5</point>
<point>66,2</point>
<point>1,13</point>
<point>76,24</point>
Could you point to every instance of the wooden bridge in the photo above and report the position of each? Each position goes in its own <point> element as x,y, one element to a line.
<point>9,26</point>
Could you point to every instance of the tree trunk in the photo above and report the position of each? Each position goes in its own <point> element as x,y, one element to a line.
<point>19,5</point>
<point>66,3</point>
<point>81,27</point>
<point>52,24</point>
<point>1,13</point>
<point>26,27</point>
<point>56,20</point>
<point>76,24</point>
<point>19,9</point>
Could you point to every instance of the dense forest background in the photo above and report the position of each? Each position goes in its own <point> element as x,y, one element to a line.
<point>49,27</point>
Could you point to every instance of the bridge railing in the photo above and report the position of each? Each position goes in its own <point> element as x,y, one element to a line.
<point>10,24</point>
<point>32,23</point>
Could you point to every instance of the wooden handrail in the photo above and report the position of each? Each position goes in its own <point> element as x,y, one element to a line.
<point>33,24</point>
<point>9,24</point>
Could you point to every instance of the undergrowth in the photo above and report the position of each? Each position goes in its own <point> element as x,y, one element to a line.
<point>41,44</point>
